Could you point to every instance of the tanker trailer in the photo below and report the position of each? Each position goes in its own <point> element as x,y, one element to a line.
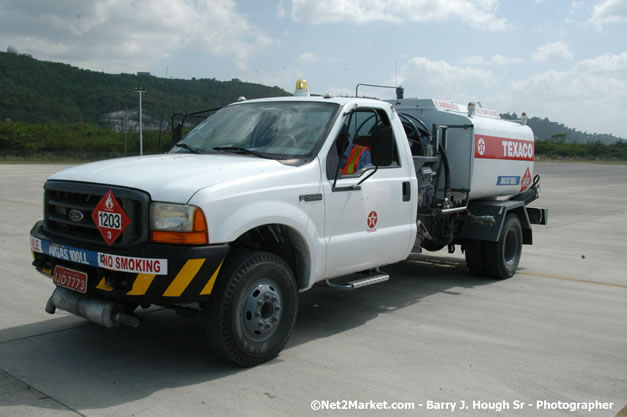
<point>476,179</point>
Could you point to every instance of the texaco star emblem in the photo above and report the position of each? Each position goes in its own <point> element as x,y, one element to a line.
<point>372,219</point>
<point>481,146</point>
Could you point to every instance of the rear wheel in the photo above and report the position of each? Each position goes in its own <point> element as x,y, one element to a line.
<point>475,257</point>
<point>253,309</point>
<point>502,257</point>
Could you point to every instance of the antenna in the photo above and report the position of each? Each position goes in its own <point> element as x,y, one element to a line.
<point>395,73</point>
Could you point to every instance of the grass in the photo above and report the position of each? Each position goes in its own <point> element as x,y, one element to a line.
<point>570,160</point>
<point>33,161</point>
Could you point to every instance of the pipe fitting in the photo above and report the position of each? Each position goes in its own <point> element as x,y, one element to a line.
<point>96,310</point>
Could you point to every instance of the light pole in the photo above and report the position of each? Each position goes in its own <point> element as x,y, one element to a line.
<point>141,139</point>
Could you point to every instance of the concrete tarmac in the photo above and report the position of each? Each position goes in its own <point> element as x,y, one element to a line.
<point>551,339</point>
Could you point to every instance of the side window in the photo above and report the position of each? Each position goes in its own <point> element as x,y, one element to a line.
<point>354,142</point>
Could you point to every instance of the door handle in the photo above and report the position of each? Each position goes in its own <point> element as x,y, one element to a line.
<point>406,191</point>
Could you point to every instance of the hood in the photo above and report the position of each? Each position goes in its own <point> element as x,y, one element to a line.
<point>171,177</point>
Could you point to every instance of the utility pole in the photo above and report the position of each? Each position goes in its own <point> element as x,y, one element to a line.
<point>141,139</point>
<point>125,126</point>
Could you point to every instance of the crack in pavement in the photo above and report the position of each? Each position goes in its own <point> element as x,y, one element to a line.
<point>78,326</point>
<point>42,395</point>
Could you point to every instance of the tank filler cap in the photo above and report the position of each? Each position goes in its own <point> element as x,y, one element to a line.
<point>471,109</point>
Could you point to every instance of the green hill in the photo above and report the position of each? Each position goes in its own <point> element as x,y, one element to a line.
<point>39,91</point>
<point>51,110</point>
<point>544,129</point>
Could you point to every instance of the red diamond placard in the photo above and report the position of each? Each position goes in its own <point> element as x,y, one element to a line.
<point>526,181</point>
<point>110,218</point>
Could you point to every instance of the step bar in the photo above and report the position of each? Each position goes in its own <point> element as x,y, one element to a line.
<point>374,277</point>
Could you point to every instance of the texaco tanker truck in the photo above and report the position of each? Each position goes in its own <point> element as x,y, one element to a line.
<point>256,204</point>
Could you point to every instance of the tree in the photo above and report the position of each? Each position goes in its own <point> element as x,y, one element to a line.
<point>559,137</point>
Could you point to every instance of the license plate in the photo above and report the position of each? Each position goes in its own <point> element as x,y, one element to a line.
<point>69,278</point>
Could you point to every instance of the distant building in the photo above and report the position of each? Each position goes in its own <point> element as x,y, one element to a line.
<point>143,73</point>
<point>127,121</point>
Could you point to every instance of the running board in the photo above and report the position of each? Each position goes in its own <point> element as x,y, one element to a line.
<point>376,278</point>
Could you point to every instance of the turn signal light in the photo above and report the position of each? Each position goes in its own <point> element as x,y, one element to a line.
<point>198,235</point>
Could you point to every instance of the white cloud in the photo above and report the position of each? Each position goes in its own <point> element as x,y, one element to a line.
<point>474,60</point>
<point>281,9</point>
<point>118,35</point>
<point>605,64</point>
<point>308,58</point>
<point>552,50</point>
<point>591,96</point>
<point>576,5</point>
<point>478,60</point>
<point>477,13</point>
<point>441,80</point>
<point>502,60</point>
<point>608,11</point>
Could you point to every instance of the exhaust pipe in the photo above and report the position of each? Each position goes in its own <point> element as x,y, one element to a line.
<point>96,310</point>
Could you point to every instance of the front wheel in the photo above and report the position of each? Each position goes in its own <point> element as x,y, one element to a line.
<point>502,257</point>
<point>253,309</point>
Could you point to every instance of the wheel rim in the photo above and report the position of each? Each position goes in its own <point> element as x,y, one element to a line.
<point>511,247</point>
<point>262,311</point>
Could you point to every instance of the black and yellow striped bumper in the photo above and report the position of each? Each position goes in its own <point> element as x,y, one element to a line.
<point>148,274</point>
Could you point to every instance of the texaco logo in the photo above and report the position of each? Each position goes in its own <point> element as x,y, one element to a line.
<point>372,219</point>
<point>481,146</point>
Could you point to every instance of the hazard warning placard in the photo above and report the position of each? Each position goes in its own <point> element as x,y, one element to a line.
<point>110,218</point>
<point>526,180</point>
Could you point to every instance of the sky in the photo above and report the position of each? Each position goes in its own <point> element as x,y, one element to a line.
<point>561,59</point>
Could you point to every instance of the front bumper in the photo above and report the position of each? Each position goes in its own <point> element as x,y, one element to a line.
<point>150,273</point>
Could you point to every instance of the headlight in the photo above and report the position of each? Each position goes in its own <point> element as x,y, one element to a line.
<point>178,223</point>
<point>173,217</point>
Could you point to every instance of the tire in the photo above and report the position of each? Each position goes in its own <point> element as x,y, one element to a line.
<point>502,257</point>
<point>475,257</point>
<point>253,310</point>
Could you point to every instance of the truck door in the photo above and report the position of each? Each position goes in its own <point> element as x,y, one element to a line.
<point>373,224</point>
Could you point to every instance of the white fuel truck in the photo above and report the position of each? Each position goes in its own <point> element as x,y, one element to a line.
<point>266,198</point>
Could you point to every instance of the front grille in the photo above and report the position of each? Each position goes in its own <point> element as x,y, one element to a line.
<point>62,197</point>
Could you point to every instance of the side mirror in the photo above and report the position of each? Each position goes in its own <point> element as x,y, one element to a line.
<point>177,133</point>
<point>382,146</point>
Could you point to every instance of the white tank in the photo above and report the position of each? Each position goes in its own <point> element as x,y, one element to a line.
<point>489,156</point>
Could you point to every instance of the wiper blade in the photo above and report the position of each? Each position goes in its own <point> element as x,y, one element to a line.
<point>240,149</point>
<point>189,148</point>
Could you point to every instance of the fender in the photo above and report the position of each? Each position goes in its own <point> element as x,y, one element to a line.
<point>498,209</point>
<point>234,224</point>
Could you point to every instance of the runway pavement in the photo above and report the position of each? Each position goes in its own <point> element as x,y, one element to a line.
<point>548,340</point>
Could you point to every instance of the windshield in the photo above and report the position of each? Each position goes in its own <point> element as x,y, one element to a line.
<point>271,129</point>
